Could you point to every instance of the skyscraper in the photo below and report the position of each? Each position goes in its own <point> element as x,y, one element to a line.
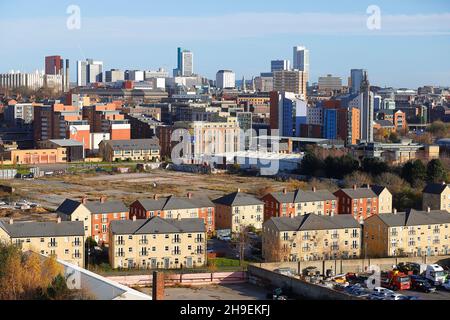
<point>225,79</point>
<point>301,59</point>
<point>280,65</point>
<point>290,81</point>
<point>185,63</point>
<point>89,71</point>
<point>366,102</point>
<point>54,65</point>
<point>287,112</point>
<point>356,76</point>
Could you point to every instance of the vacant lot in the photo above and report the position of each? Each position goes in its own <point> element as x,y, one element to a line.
<point>50,192</point>
<point>243,291</point>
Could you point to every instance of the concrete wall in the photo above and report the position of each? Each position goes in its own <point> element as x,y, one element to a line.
<point>293,286</point>
<point>353,265</point>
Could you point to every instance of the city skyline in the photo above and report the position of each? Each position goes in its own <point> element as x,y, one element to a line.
<point>389,54</point>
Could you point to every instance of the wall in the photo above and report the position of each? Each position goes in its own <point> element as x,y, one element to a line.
<point>293,286</point>
<point>184,279</point>
<point>353,265</point>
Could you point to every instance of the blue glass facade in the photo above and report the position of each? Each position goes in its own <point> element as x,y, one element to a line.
<point>330,123</point>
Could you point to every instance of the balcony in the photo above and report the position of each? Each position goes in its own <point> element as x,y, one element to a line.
<point>120,243</point>
<point>394,234</point>
<point>143,253</point>
<point>176,240</point>
<point>52,244</point>
<point>199,240</point>
<point>200,251</point>
<point>120,254</point>
<point>436,241</point>
<point>76,243</point>
<point>411,233</point>
<point>334,236</point>
<point>76,256</point>
<point>176,252</point>
<point>142,242</point>
<point>335,248</point>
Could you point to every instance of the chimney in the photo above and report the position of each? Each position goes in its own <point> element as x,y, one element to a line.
<point>284,191</point>
<point>59,220</point>
<point>395,211</point>
<point>314,189</point>
<point>102,199</point>
<point>428,209</point>
<point>189,195</point>
<point>134,218</point>
<point>179,217</point>
<point>155,197</point>
<point>84,200</point>
<point>11,221</point>
<point>354,187</point>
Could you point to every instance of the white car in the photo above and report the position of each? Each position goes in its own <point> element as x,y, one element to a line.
<point>383,291</point>
<point>395,296</point>
<point>2,203</point>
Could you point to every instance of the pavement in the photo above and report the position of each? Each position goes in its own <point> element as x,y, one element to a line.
<point>440,294</point>
<point>244,291</point>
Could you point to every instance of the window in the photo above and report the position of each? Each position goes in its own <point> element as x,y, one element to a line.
<point>166,248</point>
<point>130,237</point>
<point>130,249</point>
<point>42,240</point>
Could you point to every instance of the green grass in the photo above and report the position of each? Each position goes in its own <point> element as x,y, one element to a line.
<point>226,262</point>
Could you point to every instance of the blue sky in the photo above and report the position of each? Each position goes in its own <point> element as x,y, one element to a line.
<point>411,48</point>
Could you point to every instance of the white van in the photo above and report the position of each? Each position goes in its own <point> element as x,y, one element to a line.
<point>435,273</point>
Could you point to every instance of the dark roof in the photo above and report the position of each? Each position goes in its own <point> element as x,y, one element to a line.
<point>359,193</point>
<point>43,229</point>
<point>174,203</point>
<point>378,189</point>
<point>415,218</point>
<point>238,199</point>
<point>314,222</point>
<point>68,206</point>
<point>385,123</point>
<point>157,225</point>
<point>303,196</point>
<point>109,206</point>
<point>134,144</point>
<point>435,188</point>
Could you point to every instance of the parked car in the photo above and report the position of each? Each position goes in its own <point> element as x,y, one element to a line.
<point>446,284</point>
<point>419,283</point>
<point>226,239</point>
<point>285,271</point>
<point>395,296</point>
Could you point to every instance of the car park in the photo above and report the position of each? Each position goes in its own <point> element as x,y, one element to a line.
<point>419,283</point>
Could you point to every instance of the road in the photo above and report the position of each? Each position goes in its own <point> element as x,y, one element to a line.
<point>440,294</point>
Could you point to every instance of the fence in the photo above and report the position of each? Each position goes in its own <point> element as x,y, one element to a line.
<point>7,174</point>
<point>188,279</point>
<point>353,265</point>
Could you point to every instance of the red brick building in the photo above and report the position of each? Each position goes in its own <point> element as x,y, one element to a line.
<point>361,203</point>
<point>298,203</point>
<point>175,207</point>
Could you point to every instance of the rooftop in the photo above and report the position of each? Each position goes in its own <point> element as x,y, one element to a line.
<point>415,218</point>
<point>34,229</point>
<point>314,222</point>
<point>157,225</point>
<point>238,199</point>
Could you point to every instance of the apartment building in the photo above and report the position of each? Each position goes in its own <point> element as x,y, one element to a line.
<point>63,239</point>
<point>158,243</point>
<point>410,233</point>
<point>299,202</point>
<point>436,196</point>
<point>134,150</point>
<point>311,237</point>
<point>384,198</point>
<point>95,215</point>
<point>361,203</point>
<point>171,207</point>
<point>106,118</point>
<point>237,210</point>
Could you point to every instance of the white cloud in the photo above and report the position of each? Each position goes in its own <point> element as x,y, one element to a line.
<point>224,27</point>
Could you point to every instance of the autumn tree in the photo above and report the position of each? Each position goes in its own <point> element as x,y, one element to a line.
<point>357,178</point>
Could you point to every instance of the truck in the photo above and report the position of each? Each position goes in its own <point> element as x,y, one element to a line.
<point>395,280</point>
<point>435,274</point>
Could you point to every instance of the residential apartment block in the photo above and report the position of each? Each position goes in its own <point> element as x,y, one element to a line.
<point>384,198</point>
<point>135,150</point>
<point>311,237</point>
<point>237,211</point>
<point>158,243</point>
<point>361,203</point>
<point>173,207</point>
<point>95,215</point>
<point>412,233</point>
<point>436,196</point>
<point>63,239</point>
<point>299,202</point>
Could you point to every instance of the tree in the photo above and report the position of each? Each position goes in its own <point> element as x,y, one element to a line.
<point>374,166</point>
<point>438,129</point>
<point>436,171</point>
<point>414,172</point>
<point>393,182</point>
<point>311,165</point>
<point>357,178</point>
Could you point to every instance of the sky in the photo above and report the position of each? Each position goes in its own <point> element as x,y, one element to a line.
<point>408,46</point>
